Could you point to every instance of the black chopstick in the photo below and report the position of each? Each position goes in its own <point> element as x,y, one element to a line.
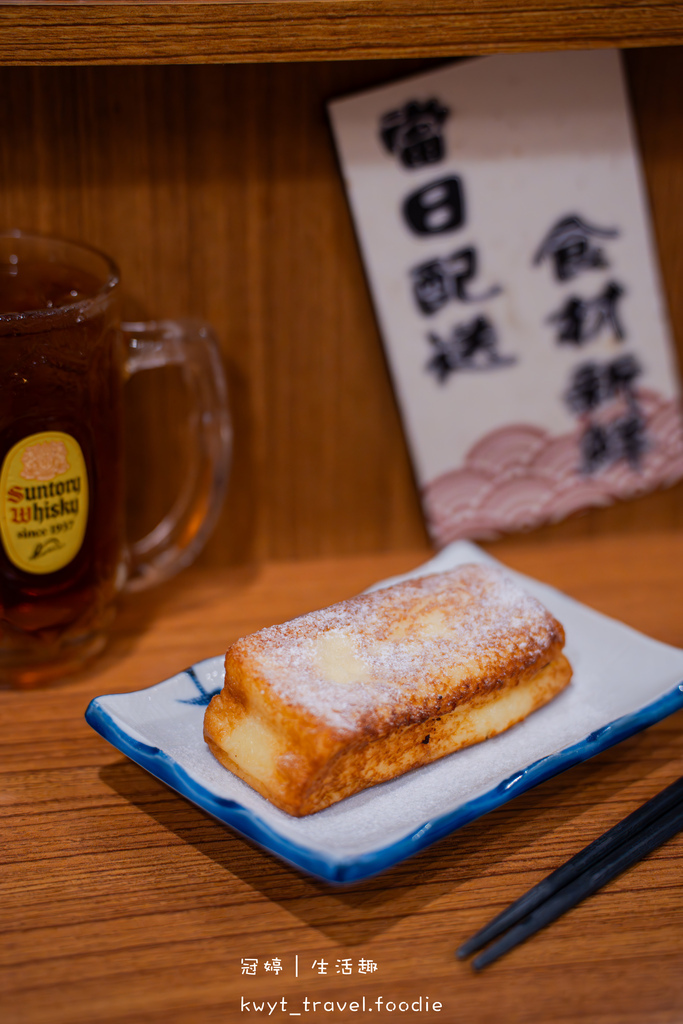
<point>601,847</point>
<point>624,844</point>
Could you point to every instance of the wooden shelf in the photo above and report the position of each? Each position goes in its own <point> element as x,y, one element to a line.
<point>210,176</point>
<point>249,31</point>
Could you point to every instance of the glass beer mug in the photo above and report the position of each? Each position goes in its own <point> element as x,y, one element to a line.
<point>64,357</point>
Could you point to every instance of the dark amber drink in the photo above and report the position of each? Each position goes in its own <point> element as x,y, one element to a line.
<point>64,556</point>
<point>61,503</point>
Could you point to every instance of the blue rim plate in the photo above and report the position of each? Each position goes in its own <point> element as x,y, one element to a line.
<point>623,683</point>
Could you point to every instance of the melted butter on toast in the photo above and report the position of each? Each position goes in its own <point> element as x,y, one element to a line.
<point>337,658</point>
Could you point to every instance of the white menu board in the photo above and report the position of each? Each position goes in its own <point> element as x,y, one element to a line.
<point>501,214</point>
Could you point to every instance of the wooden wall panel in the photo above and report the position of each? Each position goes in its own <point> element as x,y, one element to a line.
<point>216,189</point>
<point>206,32</point>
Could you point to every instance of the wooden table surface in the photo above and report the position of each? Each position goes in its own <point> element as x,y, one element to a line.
<point>121,902</point>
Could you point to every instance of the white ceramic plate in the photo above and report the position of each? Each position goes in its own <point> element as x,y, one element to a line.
<point>623,682</point>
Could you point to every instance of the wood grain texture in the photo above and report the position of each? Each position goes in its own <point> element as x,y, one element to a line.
<point>216,189</point>
<point>295,30</point>
<point>120,903</point>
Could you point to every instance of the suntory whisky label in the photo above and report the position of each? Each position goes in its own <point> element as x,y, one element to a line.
<point>43,502</point>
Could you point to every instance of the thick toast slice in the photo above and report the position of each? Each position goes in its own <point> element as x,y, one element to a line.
<point>321,707</point>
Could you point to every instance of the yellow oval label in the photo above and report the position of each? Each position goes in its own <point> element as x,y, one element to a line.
<point>43,502</point>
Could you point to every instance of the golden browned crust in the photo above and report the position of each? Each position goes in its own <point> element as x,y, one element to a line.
<point>338,700</point>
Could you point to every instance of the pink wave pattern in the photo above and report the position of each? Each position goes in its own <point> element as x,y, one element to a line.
<point>520,476</point>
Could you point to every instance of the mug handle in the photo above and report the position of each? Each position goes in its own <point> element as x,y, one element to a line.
<point>177,539</point>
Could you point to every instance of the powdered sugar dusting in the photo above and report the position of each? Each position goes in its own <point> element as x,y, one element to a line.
<point>402,654</point>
